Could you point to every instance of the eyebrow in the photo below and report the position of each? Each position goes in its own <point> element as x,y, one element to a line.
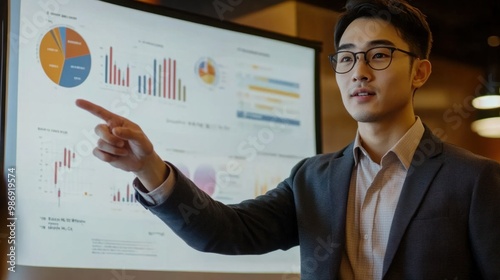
<point>373,43</point>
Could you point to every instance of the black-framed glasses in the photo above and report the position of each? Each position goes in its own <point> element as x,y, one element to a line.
<point>378,58</point>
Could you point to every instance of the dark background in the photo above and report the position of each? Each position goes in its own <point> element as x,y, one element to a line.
<point>460,28</point>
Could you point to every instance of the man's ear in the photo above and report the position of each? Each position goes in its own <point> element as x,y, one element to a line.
<point>422,72</point>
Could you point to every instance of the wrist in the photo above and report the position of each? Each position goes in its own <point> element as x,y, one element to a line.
<point>153,174</point>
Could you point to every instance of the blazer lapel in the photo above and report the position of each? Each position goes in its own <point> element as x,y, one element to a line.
<point>425,165</point>
<point>340,179</point>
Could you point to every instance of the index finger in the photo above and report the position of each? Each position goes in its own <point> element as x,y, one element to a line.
<point>96,110</point>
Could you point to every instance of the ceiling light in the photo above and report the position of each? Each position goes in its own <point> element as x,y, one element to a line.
<point>489,127</point>
<point>487,123</point>
<point>486,102</point>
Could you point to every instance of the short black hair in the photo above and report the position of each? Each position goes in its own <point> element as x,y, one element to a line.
<point>409,21</point>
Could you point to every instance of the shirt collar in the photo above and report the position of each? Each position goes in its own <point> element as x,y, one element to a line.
<point>404,149</point>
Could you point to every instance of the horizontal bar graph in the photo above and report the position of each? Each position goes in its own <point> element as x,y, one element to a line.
<point>278,82</point>
<point>274,91</point>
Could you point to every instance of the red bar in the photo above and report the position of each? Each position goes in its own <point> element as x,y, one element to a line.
<point>69,159</point>
<point>164,78</point>
<point>114,197</point>
<point>65,153</point>
<point>159,80</point>
<point>118,195</point>
<point>128,76</point>
<point>110,65</point>
<point>119,77</point>
<point>55,173</point>
<point>128,192</point>
<point>175,66</point>
<point>169,76</point>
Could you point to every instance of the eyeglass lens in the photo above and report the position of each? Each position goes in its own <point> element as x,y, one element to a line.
<point>376,58</point>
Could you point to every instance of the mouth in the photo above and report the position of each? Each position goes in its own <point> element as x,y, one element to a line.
<point>362,92</point>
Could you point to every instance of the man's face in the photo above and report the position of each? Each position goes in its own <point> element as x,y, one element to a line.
<point>376,95</point>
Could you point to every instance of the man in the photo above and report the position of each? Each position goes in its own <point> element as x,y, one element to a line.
<point>397,203</point>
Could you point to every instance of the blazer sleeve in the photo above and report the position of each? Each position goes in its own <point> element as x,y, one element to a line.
<point>484,221</point>
<point>254,226</point>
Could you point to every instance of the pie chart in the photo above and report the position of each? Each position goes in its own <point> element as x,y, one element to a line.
<point>65,57</point>
<point>206,71</point>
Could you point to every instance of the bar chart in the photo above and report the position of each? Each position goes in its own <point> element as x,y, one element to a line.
<point>137,72</point>
<point>64,164</point>
<point>62,175</point>
<point>124,196</point>
<point>269,99</point>
<point>162,80</point>
<point>114,74</point>
<point>66,176</point>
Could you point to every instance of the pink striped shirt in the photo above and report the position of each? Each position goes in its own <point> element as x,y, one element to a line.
<point>373,197</point>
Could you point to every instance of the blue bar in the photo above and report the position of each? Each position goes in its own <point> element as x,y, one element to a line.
<point>268,118</point>
<point>283,83</point>
<point>144,86</point>
<point>280,82</point>
<point>159,80</point>
<point>106,69</point>
<point>139,78</point>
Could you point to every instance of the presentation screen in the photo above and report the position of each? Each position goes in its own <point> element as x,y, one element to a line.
<point>233,108</point>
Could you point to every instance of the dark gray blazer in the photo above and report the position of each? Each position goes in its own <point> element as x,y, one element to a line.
<point>446,224</point>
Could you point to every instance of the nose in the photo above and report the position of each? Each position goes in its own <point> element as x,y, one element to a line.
<point>361,70</point>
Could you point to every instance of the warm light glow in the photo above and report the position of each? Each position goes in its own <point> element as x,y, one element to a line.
<point>486,102</point>
<point>489,127</point>
<point>494,41</point>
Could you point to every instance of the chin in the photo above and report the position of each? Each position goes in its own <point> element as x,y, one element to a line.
<point>364,117</point>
